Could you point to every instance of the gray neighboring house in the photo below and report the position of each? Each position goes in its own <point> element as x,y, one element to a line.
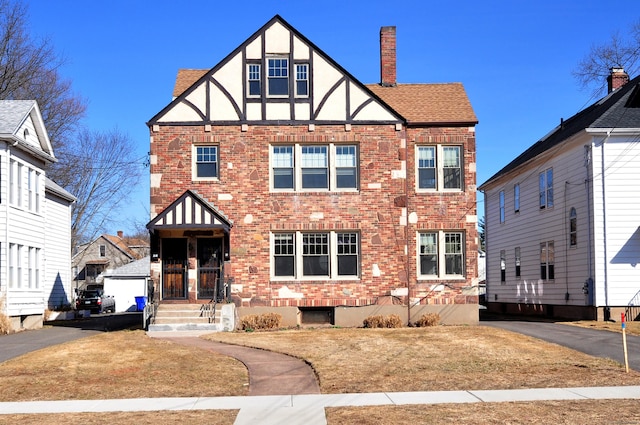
<point>35,220</point>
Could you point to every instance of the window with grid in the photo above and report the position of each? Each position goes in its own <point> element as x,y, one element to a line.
<point>253,74</point>
<point>439,167</point>
<point>547,261</point>
<point>314,167</point>
<point>302,80</point>
<point>206,162</point>
<point>321,255</point>
<point>441,254</point>
<point>278,77</point>
<point>573,227</point>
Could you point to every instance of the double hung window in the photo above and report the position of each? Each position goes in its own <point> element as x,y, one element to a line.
<point>439,167</point>
<point>547,260</point>
<point>503,266</point>
<point>314,167</point>
<point>318,255</point>
<point>501,196</point>
<point>253,74</point>
<point>441,254</point>
<point>278,77</point>
<point>546,188</point>
<point>302,80</point>
<point>206,164</point>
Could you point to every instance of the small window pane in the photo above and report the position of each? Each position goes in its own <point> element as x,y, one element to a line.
<point>315,254</point>
<point>284,254</point>
<point>282,160</point>
<point>346,167</point>
<point>427,167</point>
<point>428,254</point>
<point>254,80</point>
<point>347,254</point>
<point>302,80</point>
<point>315,174</point>
<point>278,77</point>
<point>452,172</point>
<point>207,161</point>
<point>453,253</point>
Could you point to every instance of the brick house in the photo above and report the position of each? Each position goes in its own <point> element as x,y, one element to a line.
<point>280,181</point>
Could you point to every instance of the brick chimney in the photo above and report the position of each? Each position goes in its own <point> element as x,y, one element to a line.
<point>616,79</point>
<point>388,56</point>
<point>120,234</point>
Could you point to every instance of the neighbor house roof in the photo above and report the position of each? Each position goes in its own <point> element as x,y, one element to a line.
<point>138,268</point>
<point>427,104</point>
<point>619,109</point>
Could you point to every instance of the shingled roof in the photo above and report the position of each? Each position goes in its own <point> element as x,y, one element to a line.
<point>619,109</point>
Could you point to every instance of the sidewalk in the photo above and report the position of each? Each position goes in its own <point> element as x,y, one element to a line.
<point>309,409</point>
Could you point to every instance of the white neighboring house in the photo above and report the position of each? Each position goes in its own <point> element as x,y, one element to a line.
<point>34,219</point>
<point>128,282</point>
<point>562,222</point>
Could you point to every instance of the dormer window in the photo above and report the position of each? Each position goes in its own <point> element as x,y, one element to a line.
<point>278,77</point>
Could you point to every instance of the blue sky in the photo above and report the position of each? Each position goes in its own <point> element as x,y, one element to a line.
<point>514,58</point>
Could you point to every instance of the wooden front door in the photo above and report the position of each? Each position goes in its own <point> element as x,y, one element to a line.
<point>209,267</point>
<point>174,269</point>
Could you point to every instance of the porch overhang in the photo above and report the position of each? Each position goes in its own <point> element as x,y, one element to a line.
<point>190,212</point>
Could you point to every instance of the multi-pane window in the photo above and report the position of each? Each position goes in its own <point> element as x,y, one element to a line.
<point>15,183</point>
<point>439,167</point>
<point>278,77</point>
<point>206,164</point>
<point>516,197</point>
<point>32,265</point>
<point>573,227</point>
<point>427,167</point>
<point>254,79</point>
<point>546,188</point>
<point>315,163</point>
<point>323,255</point>
<point>501,196</point>
<point>282,162</point>
<point>19,255</point>
<point>441,254</point>
<point>103,250</point>
<point>284,254</point>
<point>314,167</point>
<point>547,260</point>
<point>503,266</point>
<point>302,80</point>
<point>12,265</point>
<point>38,266</point>
<point>517,263</point>
<point>33,184</point>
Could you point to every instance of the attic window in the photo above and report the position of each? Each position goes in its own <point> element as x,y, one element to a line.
<point>26,133</point>
<point>634,98</point>
<point>278,77</point>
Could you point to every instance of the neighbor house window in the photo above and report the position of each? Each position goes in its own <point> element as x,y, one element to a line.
<point>547,259</point>
<point>103,250</point>
<point>501,195</point>
<point>573,227</point>
<point>439,167</point>
<point>516,197</point>
<point>441,254</point>
<point>546,188</point>
<point>320,255</point>
<point>302,80</point>
<point>206,162</point>
<point>314,167</point>
<point>278,77</point>
<point>503,266</point>
<point>517,262</point>
<point>253,72</point>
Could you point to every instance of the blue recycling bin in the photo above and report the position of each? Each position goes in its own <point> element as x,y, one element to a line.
<point>140,303</point>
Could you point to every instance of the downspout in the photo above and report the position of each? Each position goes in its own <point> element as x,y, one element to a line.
<point>607,314</point>
<point>406,227</point>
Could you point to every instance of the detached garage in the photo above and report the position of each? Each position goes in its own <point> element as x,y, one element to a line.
<point>128,282</point>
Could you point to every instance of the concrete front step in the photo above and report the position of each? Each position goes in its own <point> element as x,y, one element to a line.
<point>174,319</point>
<point>177,327</point>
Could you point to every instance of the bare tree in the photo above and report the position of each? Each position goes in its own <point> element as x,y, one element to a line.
<point>621,51</point>
<point>100,169</point>
<point>29,70</point>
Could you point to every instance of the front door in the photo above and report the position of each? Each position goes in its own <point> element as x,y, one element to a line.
<point>174,269</point>
<point>209,267</point>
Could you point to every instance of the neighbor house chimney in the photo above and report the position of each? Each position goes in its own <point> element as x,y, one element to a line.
<point>120,234</point>
<point>617,79</point>
<point>388,56</point>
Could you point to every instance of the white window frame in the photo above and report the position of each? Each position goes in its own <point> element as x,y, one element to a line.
<point>501,201</point>
<point>518,263</point>
<point>13,265</point>
<point>547,261</point>
<point>194,163</point>
<point>503,267</point>
<point>254,74</point>
<point>277,69</point>
<point>439,151</point>
<point>302,76</point>
<point>516,198</point>
<point>441,248</point>
<point>333,255</point>
<point>333,166</point>
<point>102,250</point>
<point>545,187</point>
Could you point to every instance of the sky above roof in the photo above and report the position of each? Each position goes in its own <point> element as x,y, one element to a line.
<point>515,59</point>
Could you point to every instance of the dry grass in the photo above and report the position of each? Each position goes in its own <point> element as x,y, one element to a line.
<point>609,412</point>
<point>209,417</point>
<point>632,328</point>
<point>125,364</point>
<point>435,359</point>
<point>5,324</point>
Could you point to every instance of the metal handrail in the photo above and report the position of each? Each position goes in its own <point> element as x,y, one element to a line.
<point>632,311</point>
